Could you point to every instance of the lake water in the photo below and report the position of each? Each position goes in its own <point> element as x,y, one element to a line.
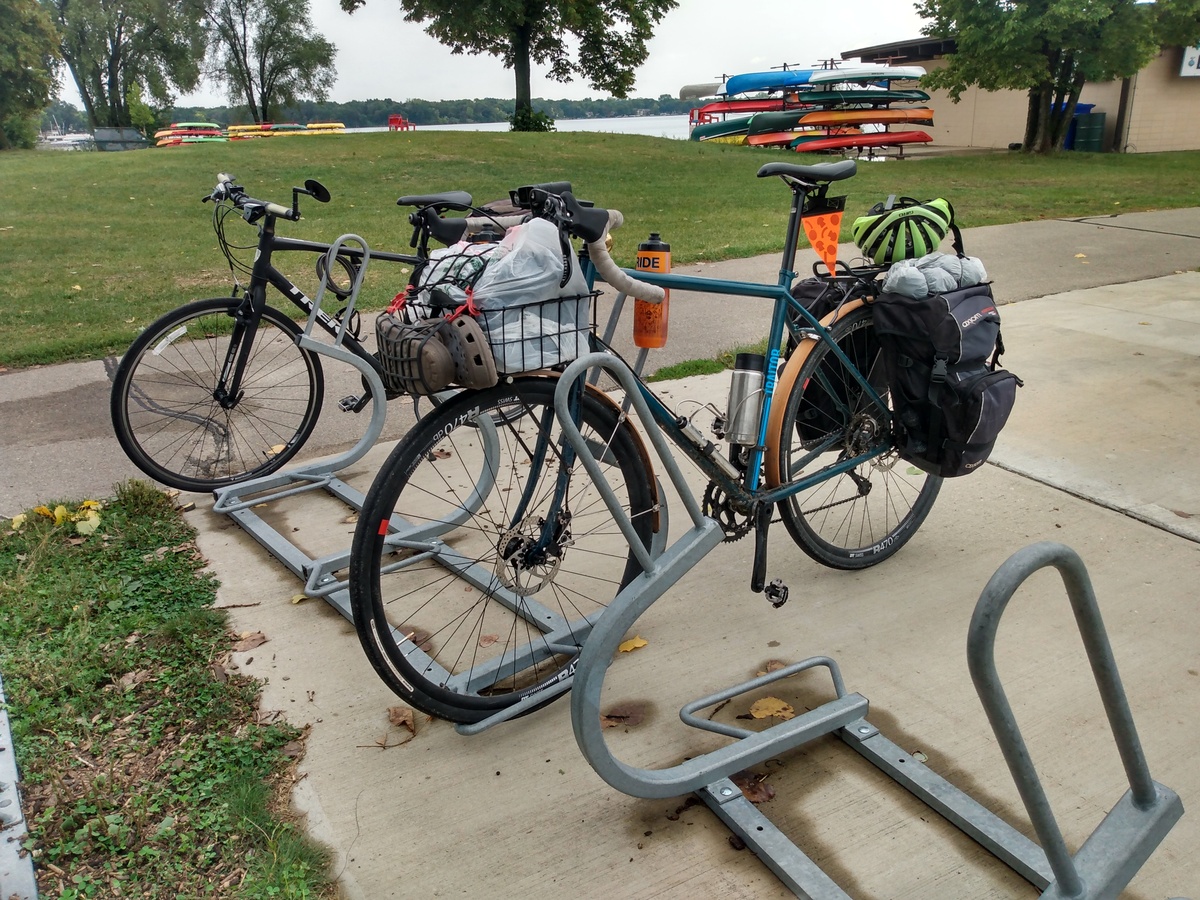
<point>675,127</point>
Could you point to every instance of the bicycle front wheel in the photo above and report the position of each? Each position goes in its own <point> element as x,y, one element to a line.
<point>862,516</point>
<point>484,553</point>
<point>171,426</point>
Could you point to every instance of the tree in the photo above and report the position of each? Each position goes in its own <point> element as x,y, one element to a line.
<point>112,45</point>
<point>1049,48</point>
<point>267,55</point>
<point>28,57</point>
<point>611,37</point>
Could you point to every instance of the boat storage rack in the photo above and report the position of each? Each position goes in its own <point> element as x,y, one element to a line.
<point>1104,864</point>
<point>321,575</point>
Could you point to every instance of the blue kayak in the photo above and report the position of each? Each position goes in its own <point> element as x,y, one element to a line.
<point>767,81</point>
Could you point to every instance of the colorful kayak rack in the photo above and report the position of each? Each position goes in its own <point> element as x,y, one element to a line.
<point>817,110</point>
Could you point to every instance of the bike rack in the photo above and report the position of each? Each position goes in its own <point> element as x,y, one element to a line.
<point>320,574</point>
<point>1104,864</point>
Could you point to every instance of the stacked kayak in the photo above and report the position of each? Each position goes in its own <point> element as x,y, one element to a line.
<point>188,133</point>
<point>811,110</point>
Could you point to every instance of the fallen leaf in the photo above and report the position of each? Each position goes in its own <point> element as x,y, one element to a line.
<point>1143,323</point>
<point>249,640</point>
<point>736,842</point>
<point>90,504</point>
<point>419,636</point>
<point>769,707</point>
<point>753,786</point>
<point>218,672</point>
<point>132,679</point>
<point>292,749</point>
<point>634,643</point>
<point>351,519</point>
<point>76,541</point>
<point>299,598</point>
<point>44,511</point>
<point>17,522</point>
<point>486,640</point>
<point>60,514</point>
<point>773,665</point>
<point>402,717</point>
<point>89,523</point>
<point>1081,256</point>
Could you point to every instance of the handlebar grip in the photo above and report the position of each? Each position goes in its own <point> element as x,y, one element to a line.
<point>282,212</point>
<point>614,274</point>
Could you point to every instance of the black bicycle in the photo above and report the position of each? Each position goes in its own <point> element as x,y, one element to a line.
<point>219,391</point>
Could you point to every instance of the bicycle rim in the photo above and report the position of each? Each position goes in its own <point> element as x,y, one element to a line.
<point>486,587</point>
<point>862,516</point>
<point>168,422</point>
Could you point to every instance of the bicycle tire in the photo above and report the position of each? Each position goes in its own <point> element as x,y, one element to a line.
<point>170,426</point>
<point>460,639</point>
<point>861,517</point>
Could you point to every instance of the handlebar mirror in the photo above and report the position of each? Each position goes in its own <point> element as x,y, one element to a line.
<point>316,190</point>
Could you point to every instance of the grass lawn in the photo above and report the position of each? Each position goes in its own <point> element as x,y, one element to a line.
<point>146,769</point>
<point>96,245</point>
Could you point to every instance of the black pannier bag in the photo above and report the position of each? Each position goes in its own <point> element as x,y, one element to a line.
<point>940,355</point>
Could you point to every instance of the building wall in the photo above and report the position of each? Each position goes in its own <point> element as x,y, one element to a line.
<point>1165,107</point>
<point>1164,111</point>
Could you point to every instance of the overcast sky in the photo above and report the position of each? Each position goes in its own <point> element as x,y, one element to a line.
<point>380,55</point>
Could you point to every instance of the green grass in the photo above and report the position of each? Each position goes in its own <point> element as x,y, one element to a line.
<point>144,770</point>
<point>95,245</point>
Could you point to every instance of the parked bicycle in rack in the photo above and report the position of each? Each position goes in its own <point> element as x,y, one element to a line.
<point>220,391</point>
<point>490,544</point>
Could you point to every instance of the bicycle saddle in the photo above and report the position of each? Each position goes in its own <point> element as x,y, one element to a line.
<point>448,200</point>
<point>821,172</point>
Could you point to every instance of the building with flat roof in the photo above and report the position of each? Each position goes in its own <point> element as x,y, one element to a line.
<point>1157,109</point>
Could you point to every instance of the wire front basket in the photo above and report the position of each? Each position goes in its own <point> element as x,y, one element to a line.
<point>539,335</point>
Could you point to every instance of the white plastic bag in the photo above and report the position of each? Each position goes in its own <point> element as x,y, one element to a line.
<point>529,269</point>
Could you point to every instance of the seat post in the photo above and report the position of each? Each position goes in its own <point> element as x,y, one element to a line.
<point>787,267</point>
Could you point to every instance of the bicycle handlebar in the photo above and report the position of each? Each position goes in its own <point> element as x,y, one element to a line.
<point>252,209</point>
<point>614,274</point>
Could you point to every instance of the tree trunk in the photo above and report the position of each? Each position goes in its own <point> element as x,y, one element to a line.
<point>520,46</point>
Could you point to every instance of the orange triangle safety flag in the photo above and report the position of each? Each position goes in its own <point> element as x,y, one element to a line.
<point>822,233</point>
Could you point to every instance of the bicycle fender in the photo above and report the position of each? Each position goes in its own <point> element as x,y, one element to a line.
<point>783,390</point>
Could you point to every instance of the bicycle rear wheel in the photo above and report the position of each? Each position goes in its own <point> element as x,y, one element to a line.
<point>862,516</point>
<point>171,426</point>
<point>501,552</point>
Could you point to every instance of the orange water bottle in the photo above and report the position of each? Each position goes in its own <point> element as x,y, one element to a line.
<point>650,319</point>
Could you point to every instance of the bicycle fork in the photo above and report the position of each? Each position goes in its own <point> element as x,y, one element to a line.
<point>228,390</point>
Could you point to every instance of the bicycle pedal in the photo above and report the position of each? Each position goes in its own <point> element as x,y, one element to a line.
<point>352,403</point>
<point>776,592</point>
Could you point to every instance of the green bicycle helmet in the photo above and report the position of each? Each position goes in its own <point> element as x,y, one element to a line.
<point>903,229</point>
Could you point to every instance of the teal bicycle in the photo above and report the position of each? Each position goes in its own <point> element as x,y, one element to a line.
<point>502,525</point>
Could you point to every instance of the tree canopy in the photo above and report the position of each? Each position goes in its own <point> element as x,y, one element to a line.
<point>610,36</point>
<point>267,55</point>
<point>1049,48</point>
<point>116,49</point>
<point>28,56</point>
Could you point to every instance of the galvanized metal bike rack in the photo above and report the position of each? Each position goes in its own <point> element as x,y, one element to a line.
<point>1100,869</point>
<point>321,574</point>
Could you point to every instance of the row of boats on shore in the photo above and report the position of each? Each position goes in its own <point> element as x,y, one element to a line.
<point>810,110</point>
<point>180,133</point>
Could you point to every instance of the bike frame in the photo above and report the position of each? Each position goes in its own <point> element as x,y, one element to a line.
<point>746,491</point>
<point>228,390</point>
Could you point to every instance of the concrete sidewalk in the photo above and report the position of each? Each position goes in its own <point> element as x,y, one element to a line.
<point>1095,456</point>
